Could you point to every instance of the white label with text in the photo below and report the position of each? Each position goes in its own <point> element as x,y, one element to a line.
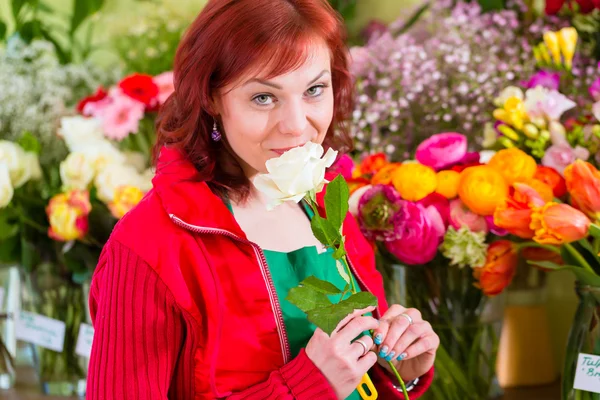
<point>84,340</point>
<point>43,331</point>
<point>587,375</point>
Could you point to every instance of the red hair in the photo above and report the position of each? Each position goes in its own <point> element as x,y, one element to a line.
<point>227,40</point>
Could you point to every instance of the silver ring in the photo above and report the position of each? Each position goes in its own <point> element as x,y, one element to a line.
<point>410,320</point>
<point>366,349</point>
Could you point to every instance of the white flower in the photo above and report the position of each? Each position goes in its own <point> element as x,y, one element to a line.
<point>507,93</point>
<point>6,188</point>
<point>13,157</point>
<point>490,136</point>
<point>486,155</point>
<point>136,160</point>
<point>77,171</point>
<point>31,169</point>
<point>295,173</point>
<point>102,153</point>
<point>79,131</point>
<point>596,110</point>
<point>546,103</point>
<point>113,176</point>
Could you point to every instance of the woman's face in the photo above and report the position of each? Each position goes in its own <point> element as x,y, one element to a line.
<point>264,118</point>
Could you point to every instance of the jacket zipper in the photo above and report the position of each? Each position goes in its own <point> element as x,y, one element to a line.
<point>260,256</point>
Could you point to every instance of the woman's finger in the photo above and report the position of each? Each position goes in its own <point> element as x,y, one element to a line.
<point>357,350</point>
<point>349,317</point>
<point>424,344</point>
<point>355,328</point>
<point>409,336</point>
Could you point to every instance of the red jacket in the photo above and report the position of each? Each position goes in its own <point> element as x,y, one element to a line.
<point>184,306</point>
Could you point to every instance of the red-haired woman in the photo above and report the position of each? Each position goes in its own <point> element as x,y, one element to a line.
<point>188,299</point>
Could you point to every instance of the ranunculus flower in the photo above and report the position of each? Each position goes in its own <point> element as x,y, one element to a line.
<point>541,188</point>
<point>370,165</point>
<point>378,213</point>
<point>165,84</point>
<point>447,183</point>
<point>482,189</point>
<point>414,181</point>
<point>558,156</point>
<point>6,188</point>
<point>547,79</point>
<point>78,131</point>
<point>77,171</point>
<point>583,184</point>
<point>385,174</point>
<point>499,268</point>
<point>514,164</point>
<point>437,209</point>
<point>557,223</point>
<point>122,117</point>
<point>68,215</point>
<point>355,197</point>
<point>595,90</point>
<point>99,95</point>
<point>126,197</point>
<point>552,178</point>
<point>548,104</point>
<point>142,88</point>
<point>442,150</point>
<point>514,214</point>
<point>295,173</point>
<point>418,240</point>
<point>495,229</point>
<point>343,166</point>
<point>460,216</point>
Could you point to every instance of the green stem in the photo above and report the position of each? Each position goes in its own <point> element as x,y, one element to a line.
<point>523,245</point>
<point>402,385</point>
<point>349,273</point>
<point>596,245</point>
<point>579,257</point>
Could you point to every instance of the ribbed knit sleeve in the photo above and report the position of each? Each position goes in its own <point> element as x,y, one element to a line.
<point>138,333</point>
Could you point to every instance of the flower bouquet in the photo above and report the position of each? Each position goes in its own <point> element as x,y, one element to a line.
<point>431,220</point>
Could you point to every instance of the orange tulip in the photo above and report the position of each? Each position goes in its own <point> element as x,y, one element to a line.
<point>499,268</point>
<point>514,214</point>
<point>557,223</point>
<point>552,178</point>
<point>583,183</point>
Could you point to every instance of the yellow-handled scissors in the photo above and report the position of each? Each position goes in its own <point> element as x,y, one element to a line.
<point>368,383</point>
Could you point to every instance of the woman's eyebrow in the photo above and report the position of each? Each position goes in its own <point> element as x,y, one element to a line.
<point>276,86</point>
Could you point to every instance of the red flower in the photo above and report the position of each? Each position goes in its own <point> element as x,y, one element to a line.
<point>585,6</point>
<point>461,167</point>
<point>99,95</point>
<point>141,88</point>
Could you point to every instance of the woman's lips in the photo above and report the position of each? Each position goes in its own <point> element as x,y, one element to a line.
<point>283,150</point>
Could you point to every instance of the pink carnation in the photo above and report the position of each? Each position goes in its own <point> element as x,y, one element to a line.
<point>122,117</point>
<point>165,85</point>
<point>442,150</point>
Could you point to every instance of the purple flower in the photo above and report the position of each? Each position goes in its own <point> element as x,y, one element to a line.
<point>595,90</point>
<point>559,156</point>
<point>550,80</point>
<point>378,213</point>
<point>418,241</point>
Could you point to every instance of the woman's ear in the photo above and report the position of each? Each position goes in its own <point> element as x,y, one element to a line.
<point>216,105</point>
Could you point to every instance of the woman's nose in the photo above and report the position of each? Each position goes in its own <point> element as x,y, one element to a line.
<point>293,119</point>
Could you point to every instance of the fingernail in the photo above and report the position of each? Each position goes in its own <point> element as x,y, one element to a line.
<point>378,339</point>
<point>391,356</point>
<point>402,356</point>
<point>384,351</point>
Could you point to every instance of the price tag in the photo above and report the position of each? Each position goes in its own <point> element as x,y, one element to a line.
<point>40,330</point>
<point>84,340</point>
<point>587,375</point>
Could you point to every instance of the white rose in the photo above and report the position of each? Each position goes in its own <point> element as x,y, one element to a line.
<point>101,154</point>
<point>77,171</point>
<point>294,174</point>
<point>6,188</point>
<point>78,131</point>
<point>13,157</point>
<point>113,176</point>
<point>507,93</point>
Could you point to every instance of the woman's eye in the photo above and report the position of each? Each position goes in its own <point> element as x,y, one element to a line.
<point>315,91</point>
<point>263,99</point>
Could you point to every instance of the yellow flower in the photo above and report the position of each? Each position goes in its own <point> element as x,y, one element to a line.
<point>482,189</point>
<point>68,215</point>
<point>447,183</point>
<point>514,164</point>
<point>551,41</point>
<point>414,181</point>
<point>567,40</point>
<point>126,197</point>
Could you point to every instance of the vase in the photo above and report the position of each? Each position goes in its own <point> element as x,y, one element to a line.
<point>9,298</point>
<point>60,373</point>
<point>467,323</point>
<point>584,339</point>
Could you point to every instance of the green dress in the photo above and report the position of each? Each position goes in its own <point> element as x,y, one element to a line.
<point>287,271</point>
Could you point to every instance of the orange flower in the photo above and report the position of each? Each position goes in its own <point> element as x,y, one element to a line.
<point>514,164</point>
<point>514,214</point>
<point>557,223</point>
<point>552,178</point>
<point>68,215</point>
<point>384,175</point>
<point>482,189</point>
<point>448,183</point>
<point>583,183</point>
<point>544,190</point>
<point>356,183</point>
<point>499,268</point>
<point>370,165</point>
<point>414,181</point>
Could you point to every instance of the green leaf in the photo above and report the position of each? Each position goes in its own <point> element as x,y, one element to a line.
<point>339,253</point>
<point>30,143</point>
<point>3,30</point>
<point>582,275</point>
<point>324,231</point>
<point>9,226</point>
<point>361,300</point>
<point>336,201</point>
<point>30,30</point>
<point>589,254</point>
<point>328,318</point>
<point>307,299</point>
<point>413,19</point>
<point>9,250</point>
<point>320,285</point>
<point>16,6</point>
<point>595,231</point>
<point>29,256</point>
<point>491,5</point>
<point>568,257</point>
<point>63,56</point>
<point>82,10</point>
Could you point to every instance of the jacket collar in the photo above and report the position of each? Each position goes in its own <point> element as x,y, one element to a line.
<point>185,196</point>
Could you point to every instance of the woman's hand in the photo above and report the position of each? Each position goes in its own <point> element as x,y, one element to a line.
<point>340,360</point>
<point>406,340</point>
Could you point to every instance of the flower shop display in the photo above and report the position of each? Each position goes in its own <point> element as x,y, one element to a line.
<point>431,220</point>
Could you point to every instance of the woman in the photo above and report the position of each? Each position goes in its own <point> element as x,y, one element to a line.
<point>188,299</point>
